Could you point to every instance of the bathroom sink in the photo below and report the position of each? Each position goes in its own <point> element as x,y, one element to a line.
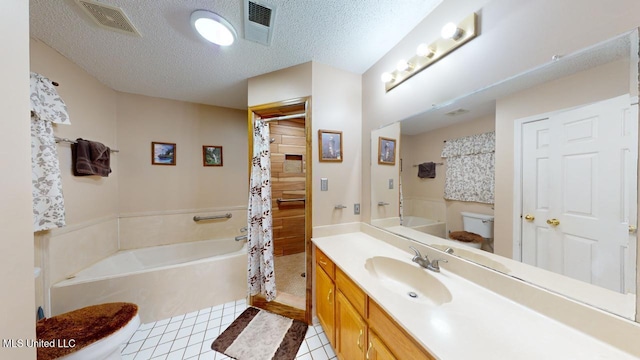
<point>408,280</point>
<point>476,257</point>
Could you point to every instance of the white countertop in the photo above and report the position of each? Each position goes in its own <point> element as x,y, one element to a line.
<point>475,324</point>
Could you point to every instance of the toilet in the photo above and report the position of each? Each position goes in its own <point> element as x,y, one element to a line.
<point>478,224</point>
<point>98,331</point>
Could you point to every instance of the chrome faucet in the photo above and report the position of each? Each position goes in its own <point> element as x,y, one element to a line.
<point>241,237</point>
<point>433,265</point>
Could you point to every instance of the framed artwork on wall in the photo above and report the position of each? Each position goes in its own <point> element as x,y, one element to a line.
<point>211,155</point>
<point>330,142</point>
<point>163,153</point>
<point>386,151</point>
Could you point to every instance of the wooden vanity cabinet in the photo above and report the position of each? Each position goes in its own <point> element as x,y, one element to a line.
<point>376,349</point>
<point>351,331</point>
<point>325,295</point>
<point>355,325</point>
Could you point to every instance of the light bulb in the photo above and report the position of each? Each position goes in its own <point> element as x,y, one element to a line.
<point>386,77</point>
<point>403,65</point>
<point>451,31</point>
<point>424,50</point>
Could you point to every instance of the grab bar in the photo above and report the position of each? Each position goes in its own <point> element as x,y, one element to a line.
<point>290,200</point>
<point>214,217</point>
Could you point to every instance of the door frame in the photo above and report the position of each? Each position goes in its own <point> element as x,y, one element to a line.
<point>259,301</point>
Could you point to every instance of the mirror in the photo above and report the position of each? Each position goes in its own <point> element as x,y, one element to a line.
<point>567,85</point>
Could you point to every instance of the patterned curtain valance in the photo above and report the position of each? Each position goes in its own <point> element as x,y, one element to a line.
<point>470,145</point>
<point>470,168</point>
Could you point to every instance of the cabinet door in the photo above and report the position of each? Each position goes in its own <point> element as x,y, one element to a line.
<point>376,349</point>
<point>351,331</point>
<point>325,295</point>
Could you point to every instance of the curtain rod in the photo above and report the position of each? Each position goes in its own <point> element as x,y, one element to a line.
<point>284,117</point>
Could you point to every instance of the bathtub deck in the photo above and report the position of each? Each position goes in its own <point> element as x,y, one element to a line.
<point>189,336</point>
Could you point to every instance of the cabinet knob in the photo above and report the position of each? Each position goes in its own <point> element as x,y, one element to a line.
<point>369,350</point>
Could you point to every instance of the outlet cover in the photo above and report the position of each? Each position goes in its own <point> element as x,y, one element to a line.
<point>356,209</point>
<point>324,184</point>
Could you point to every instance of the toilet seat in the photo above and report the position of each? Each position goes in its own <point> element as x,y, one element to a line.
<point>92,332</point>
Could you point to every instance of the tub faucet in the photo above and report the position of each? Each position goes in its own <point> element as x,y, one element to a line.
<point>243,229</point>
<point>241,237</point>
<point>433,265</point>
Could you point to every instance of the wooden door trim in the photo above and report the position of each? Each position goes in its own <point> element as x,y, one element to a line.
<point>259,301</point>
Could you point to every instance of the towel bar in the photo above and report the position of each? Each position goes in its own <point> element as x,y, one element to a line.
<point>214,217</point>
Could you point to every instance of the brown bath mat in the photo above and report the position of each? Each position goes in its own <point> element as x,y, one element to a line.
<point>260,335</point>
<point>76,329</point>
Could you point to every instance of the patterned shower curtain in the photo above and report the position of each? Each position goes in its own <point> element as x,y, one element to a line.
<point>261,274</point>
<point>47,108</point>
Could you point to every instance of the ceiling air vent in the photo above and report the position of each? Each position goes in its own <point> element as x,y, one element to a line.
<point>456,112</point>
<point>258,22</point>
<point>108,17</point>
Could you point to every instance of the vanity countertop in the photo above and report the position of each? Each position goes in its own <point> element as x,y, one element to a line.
<point>475,324</point>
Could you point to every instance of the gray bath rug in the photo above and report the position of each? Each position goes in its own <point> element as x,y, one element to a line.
<point>260,335</point>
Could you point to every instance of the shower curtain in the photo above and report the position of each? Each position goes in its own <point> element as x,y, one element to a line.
<point>47,108</point>
<point>261,274</point>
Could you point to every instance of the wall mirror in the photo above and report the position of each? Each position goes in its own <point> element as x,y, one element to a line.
<point>542,193</point>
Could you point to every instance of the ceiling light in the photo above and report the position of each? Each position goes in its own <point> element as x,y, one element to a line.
<point>425,50</point>
<point>386,77</point>
<point>213,27</point>
<point>451,31</point>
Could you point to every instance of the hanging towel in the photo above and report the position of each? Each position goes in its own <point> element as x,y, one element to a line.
<point>90,158</point>
<point>427,170</point>
<point>47,108</point>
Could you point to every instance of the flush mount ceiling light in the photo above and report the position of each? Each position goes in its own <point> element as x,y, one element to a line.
<point>453,36</point>
<point>213,27</point>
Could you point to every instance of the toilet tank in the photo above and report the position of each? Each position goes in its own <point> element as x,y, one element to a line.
<point>478,223</point>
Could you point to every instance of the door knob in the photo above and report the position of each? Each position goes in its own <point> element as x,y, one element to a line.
<point>553,222</point>
<point>632,229</point>
<point>529,217</point>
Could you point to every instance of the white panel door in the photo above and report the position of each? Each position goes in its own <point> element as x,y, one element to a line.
<point>579,181</point>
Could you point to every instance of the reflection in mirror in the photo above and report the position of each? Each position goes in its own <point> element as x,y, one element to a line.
<point>385,164</point>
<point>566,159</point>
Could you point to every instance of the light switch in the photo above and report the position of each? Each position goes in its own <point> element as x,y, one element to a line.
<point>324,184</point>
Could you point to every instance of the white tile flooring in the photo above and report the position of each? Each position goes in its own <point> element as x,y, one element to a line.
<point>190,336</point>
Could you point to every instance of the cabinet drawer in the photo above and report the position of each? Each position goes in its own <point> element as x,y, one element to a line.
<point>325,263</point>
<point>352,292</point>
<point>397,340</point>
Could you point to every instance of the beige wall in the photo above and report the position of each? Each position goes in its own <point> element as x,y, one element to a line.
<point>335,105</point>
<point>604,82</point>
<point>17,306</point>
<point>381,174</point>
<point>146,188</point>
<point>417,149</point>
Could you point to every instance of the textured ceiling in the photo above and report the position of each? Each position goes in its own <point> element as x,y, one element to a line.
<point>170,61</point>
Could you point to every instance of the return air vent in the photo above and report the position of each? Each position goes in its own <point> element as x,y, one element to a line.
<point>108,17</point>
<point>258,22</point>
<point>456,112</point>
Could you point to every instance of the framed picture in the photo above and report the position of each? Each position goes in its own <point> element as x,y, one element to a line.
<point>163,153</point>
<point>330,145</point>
<point>211,155</point>
<point>386,151</point>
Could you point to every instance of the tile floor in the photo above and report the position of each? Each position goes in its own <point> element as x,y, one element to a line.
<point>190,336</point>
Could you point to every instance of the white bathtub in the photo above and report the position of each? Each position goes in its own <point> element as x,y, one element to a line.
<point>428,226</point>
<point>163,280</point>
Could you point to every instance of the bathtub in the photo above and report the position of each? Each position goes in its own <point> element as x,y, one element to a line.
<point>428,226</point>
<point>163,280</point>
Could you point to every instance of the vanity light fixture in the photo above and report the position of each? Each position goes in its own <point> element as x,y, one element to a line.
<point>453,36</point>
<point>404,65</point>
<point>213,27</point>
